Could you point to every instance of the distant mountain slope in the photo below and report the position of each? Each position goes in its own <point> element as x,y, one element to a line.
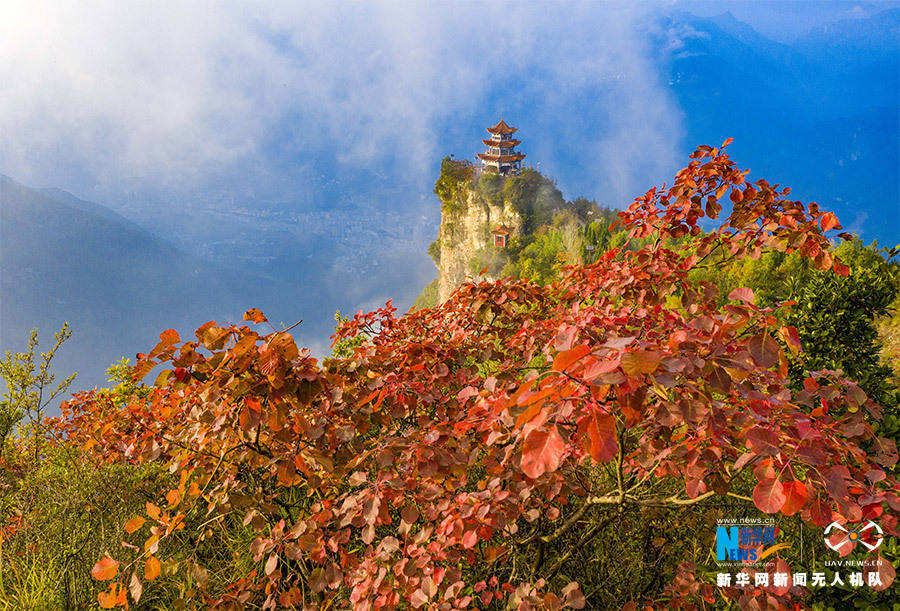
<point>117,285</point>
<point>852,41</point>
<point>820,116</point>
<point>66,259</point>
<point>64,197</point>
<point>855,62</point>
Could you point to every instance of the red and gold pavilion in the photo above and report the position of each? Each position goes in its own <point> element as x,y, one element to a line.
<point>501,155</point>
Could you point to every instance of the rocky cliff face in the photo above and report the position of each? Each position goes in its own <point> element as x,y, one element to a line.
<point>466,225</point>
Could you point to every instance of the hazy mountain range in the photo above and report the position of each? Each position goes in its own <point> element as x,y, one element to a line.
<point>118,286</point>
<point>820,114</point>
<point>64,259</point>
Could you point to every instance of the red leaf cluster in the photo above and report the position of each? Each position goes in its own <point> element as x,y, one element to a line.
<point>449,428</point>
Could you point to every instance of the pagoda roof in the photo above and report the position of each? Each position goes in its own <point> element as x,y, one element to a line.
<point>502,143</point>
<point>502,128</point>
<point>501,158</point>
<point>501,230</point>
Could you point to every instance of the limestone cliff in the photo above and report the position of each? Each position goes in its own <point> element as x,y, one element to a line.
<point>465,232</point>
<point>473,204</point>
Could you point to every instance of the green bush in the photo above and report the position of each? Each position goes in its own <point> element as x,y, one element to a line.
<point>428,298</point>
<point>454,180</point>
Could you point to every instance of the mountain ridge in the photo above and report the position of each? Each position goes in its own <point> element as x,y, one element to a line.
<point>99,272</point>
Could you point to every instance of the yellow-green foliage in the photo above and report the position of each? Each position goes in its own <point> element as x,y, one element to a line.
<point>428,297</point>
<point>345,347</point>
<point>564,241</point>
<point>59,509</point>
<point>454,180</point>
<point>434,251</point>
<point>63,512</point>
<point>889,332</point>
<point>847,323</point>
<point>541,260</point>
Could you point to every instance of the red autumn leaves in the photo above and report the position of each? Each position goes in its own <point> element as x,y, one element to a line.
<point>542,451</point>
<point>598,435</point>
<point>449,429</point>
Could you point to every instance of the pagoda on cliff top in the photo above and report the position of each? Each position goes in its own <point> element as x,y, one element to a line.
<point>501,155</point>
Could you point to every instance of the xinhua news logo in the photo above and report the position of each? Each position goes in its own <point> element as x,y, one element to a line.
<point>744,543</point>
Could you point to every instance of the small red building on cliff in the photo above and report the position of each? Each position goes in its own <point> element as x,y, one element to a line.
<point>501,235</point>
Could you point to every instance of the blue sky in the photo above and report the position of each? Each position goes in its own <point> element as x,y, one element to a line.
<point>146,107</point>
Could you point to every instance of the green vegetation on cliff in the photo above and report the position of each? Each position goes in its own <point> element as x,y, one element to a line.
<point>428,297</point>
<point>453,182</point>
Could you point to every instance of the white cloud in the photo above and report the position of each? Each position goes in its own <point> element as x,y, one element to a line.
<point>107,98</point>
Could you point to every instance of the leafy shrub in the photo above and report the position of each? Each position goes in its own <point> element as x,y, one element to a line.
<point>453,181</point>
<point>520,445</point>
<point>428,298</point>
